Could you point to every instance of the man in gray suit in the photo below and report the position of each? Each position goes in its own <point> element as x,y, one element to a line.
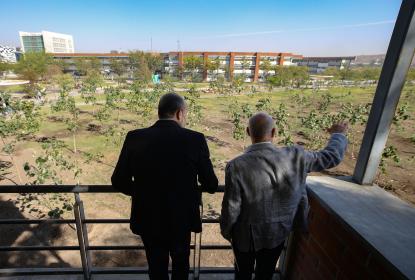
<point>265,195</point>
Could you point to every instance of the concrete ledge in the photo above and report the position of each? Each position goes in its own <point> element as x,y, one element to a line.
<point>383,221</point>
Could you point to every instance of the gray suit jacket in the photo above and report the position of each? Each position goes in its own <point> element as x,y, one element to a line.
<point>265,187</point>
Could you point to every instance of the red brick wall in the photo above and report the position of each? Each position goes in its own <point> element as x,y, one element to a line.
<point>332,250</point>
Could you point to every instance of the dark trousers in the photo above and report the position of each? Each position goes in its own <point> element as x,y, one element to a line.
<point>263,260</point>
<point>158,250</point>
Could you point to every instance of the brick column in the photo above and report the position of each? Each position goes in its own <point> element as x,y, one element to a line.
<point>256,67</point>
<point>281,62</point>
<point>205,71</point>
<point>231,65</point>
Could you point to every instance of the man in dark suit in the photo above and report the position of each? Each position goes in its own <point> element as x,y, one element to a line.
<point>159,167</point>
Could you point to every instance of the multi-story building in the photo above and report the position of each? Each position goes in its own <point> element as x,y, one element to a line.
<point>45,41</point>
<point>254,66</point>
<point>8,54</point>
<point>319,64</point>
<point>231,63</point>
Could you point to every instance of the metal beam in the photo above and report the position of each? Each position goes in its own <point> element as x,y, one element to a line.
<point>397,61</point>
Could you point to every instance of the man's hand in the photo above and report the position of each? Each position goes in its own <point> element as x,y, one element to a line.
<point>340,127</point>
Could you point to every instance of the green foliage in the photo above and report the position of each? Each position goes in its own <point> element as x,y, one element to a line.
<point>238,132</point>
<point>144,64</point>
<point>48,166</point>
<point>194,109</point>
<point>33,67</point>
<point>283,125</point>
<point>66,103</point>
<point>401,114</point>
<point>219,85</point>
<point>237,83</point>
<point>119,68</point>
<point>389,153</point>
<point>193,64</point>
<point>86,65</point>
<point>266,66</point>
<point>264,105</point>
<point>90,84</point>
<point>19,117</point>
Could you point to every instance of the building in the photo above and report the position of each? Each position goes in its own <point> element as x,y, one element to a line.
<point>45,41</point>
<point>319,64</point>
<point>8,54</point>
<point>231,63</point>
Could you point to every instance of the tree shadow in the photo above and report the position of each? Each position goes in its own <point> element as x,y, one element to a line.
<point>27,235</point>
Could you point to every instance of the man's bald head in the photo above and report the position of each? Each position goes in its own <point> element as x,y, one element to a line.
<point>261,127</point>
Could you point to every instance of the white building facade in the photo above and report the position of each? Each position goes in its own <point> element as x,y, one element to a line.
<point>49,42</point>
<point>8,54</point>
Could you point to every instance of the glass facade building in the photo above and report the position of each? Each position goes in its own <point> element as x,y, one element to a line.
<point>33,43</point>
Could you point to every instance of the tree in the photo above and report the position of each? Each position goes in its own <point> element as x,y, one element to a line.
<point>18,118</point>
<point>33,67</point>
<point>89,87</point>
<point>299,75</point>
<point>66,104</point>
<point>142,65</point>
<point>265,66</point>
<point>5,67</point>
<point>118,68</point>
<point>281,77</point>
<point>192,64</point>
<point>84,65</point>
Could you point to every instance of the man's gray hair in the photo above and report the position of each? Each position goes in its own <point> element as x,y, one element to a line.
<point>260,125</point>
<point>169,104</point>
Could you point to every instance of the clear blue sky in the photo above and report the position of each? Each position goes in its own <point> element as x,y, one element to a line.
<point>309,27</point>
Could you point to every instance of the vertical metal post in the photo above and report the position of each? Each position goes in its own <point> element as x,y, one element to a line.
<point>82,234</point>
<point>197,250</point>
<point>397,61</point>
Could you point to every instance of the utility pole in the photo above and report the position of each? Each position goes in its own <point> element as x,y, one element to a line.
<point>178,45</point>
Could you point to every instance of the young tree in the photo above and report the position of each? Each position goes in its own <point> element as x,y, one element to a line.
<point>87,64</point>
<point>140,66</point>
<point>299,75</point>
<point>119,68</point>
<point>90,84</point>
<point>18,118</point>
<point>192,64</point>
<point>5,67</point>
<point>33,67</point>
<point>66,104</point>
<point>193,105</point>
<point>265,66</point>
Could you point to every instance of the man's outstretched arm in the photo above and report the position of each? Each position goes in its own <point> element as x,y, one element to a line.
<point>206,174</point>
<point>231,204</point>
<point>122,178</point>
<point>332,154</point>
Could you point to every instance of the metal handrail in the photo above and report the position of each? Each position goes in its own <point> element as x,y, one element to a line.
<point>83,246</point>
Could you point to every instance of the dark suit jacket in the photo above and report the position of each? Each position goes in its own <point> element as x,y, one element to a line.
<point>159,167</point>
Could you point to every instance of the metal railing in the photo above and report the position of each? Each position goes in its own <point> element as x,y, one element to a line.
<point>80,221</point>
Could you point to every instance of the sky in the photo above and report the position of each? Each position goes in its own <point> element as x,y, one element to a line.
<point>307,27</point>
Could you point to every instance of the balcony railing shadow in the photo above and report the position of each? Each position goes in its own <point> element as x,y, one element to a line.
<point>27,252</point>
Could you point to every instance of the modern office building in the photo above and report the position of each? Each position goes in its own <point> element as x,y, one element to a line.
<point>8,54</point>
<point>319,64</point>
<point>49,42</point>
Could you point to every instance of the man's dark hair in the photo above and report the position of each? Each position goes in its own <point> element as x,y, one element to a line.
<point>169,104</point>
